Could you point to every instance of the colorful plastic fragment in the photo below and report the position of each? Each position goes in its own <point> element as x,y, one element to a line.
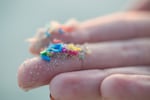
<point>47,34</point>
<point>60,49</point>
<point>67,28</point>
<point>61,31</point>
<point>56,41</point>
<point>56,28</point>
<point>46,58</point>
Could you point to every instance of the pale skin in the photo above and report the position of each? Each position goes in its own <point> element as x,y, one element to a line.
<point>118,67</point>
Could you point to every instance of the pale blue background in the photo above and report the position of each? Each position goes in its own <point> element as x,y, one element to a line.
<point>20,18</point>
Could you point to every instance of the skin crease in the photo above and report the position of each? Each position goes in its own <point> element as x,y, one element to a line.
<point>120,69</point>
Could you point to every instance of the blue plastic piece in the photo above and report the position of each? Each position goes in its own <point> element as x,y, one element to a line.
<point>46,58</point>
<point>55,50</point>
<point>47,34</point>
<point>60,31</point>
<point>55,47</point>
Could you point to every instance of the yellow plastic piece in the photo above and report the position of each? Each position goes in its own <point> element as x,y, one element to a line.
<point>73,47</point>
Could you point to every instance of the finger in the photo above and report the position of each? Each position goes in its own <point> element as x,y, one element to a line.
<point>126,87</point>
<point>114,27</point>
<point>85,85</point>
<point>44,36</point>
<point>36,72</point>
<point>37,44</point>
<point>80,85</point>
<point>141,5</point>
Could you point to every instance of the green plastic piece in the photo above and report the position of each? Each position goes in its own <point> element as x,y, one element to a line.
<point>44,53</point>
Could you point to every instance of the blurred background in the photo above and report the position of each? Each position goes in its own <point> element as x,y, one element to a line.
<point>19,19</point>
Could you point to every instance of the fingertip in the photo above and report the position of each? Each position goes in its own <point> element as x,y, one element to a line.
<point>23,76</point>
<point>33,50</point>
<point>125,87</point>
<point>66,86</point>
<point>37,72</point>
<point>76,85</point>
<point>114,87</point>
<point>110,87</point>
<point>33,73</point>
<point>60,86</point>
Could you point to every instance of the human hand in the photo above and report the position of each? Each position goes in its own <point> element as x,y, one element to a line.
<point>127,46</point>
<point>129,49</point>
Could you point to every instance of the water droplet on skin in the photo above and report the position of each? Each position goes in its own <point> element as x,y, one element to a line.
<point>40,67</point>
<point>34,76</point>
<point>48,69</point>
<point>31,72</point>
<point>34,79</point>
<point>36,68</point>
<point>48,65</point>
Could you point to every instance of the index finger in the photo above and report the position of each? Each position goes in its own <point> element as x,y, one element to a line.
<point>37,72</point>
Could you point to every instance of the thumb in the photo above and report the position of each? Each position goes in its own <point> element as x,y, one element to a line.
<point>126,87</point>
